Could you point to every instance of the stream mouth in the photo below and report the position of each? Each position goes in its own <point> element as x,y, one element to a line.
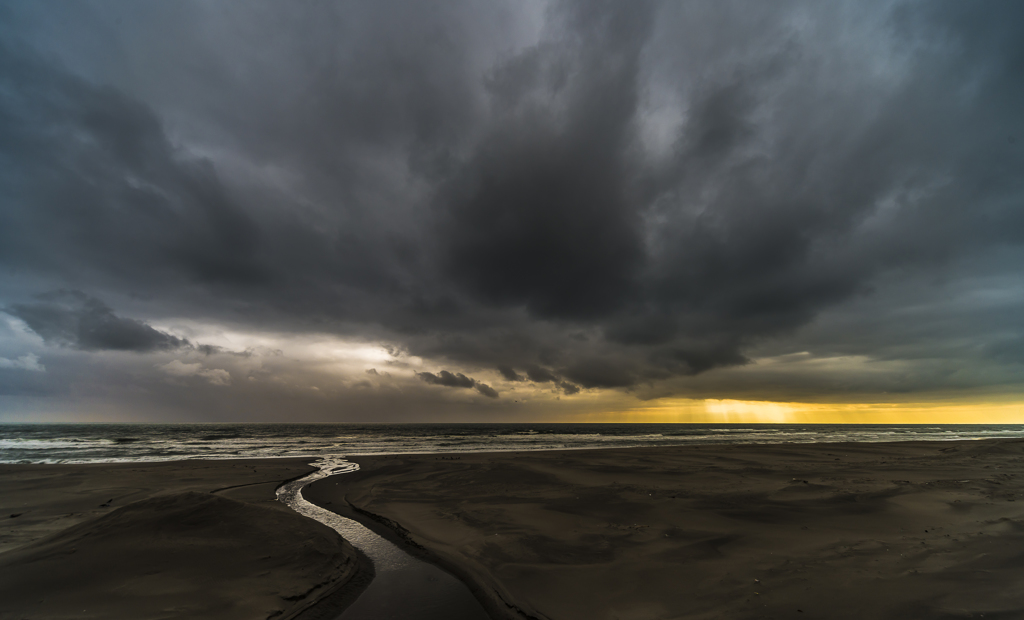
<point>404,587</point>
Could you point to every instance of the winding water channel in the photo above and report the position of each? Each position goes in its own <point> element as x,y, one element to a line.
<point>404,587</point>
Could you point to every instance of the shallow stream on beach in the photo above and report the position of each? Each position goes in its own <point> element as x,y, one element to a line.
<point>404,587</point>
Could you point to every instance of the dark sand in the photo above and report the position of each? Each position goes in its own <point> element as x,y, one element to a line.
<point>906,530</point>
<point>184,539</point>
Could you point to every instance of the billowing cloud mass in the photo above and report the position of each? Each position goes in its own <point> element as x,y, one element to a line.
<point>234,211</point>
<point>73,319</point>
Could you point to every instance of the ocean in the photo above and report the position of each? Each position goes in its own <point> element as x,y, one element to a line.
<point>107,443</point>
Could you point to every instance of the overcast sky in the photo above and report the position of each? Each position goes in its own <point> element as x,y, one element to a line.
<point>500,211</point>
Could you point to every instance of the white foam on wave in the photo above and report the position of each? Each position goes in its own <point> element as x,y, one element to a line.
<point>144,443</point>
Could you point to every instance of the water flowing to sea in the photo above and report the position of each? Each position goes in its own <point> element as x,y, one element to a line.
<point>403,587</point>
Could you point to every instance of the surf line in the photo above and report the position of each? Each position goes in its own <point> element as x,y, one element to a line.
<point>403,586</point>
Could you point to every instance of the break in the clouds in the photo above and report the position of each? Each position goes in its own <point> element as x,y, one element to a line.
<point>234,211</point>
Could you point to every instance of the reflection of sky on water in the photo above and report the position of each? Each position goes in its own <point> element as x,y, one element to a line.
<point>403,587</point>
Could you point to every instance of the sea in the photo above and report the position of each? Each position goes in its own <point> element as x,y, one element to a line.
<point>109,443</point>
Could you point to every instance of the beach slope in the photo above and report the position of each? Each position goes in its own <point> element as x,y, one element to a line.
<point>183,548</point>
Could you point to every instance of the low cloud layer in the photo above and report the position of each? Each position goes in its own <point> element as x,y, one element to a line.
<point>74,319</point>
<point>457,380</point>
<point>179,369</point>
<point>558,199</point>
<point>25,362</point>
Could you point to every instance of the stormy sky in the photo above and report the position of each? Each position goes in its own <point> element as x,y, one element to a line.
<point>501,211</point>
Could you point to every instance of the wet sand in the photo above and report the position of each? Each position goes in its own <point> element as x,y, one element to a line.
<point>903,530</point>
<point>163,540</point>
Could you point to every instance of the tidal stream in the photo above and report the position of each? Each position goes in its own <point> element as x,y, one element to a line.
<point>404,587</point>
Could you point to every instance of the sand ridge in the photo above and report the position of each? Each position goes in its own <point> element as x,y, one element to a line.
<point>169,540</point>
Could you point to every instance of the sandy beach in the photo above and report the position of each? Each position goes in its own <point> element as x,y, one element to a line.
<point>865,530</point>
<point>195,539</point>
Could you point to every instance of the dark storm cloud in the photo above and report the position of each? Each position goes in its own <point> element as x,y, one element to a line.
<point>457,380</point>
<point>697,360</point>
<point>91,177</point>
<point>447,379</point>
<point>486,390</point>
<point>540,375</point>
<point>593,194</point>
<point>601,373</point>
<point>539,215</point>
<point>747,244</point>
<point>569,389</point>
<point>509,373</point>
<point>74,319</point>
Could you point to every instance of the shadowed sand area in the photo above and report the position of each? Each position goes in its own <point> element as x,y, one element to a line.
<point>200,539</point>
<point>904,530</point>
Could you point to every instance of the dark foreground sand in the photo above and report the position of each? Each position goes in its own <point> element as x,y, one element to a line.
<point>185,539</point>
<point>901,531</point>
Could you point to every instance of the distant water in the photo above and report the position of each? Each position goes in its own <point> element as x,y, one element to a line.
<point>98,443</point>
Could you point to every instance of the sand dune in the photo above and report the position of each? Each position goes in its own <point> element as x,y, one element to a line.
<point>912,530</point>
<point>173,554</point>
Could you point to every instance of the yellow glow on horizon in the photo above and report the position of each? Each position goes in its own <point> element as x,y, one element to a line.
<point>768,412</point>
